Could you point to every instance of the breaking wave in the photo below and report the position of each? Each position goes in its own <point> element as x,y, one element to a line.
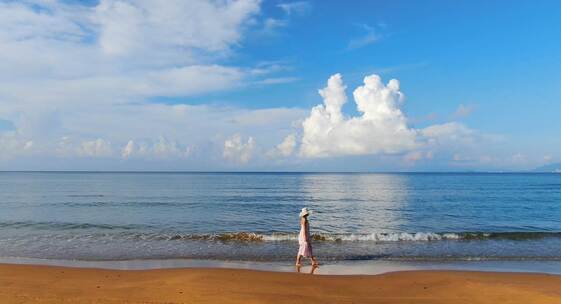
<point>149,232</point>
<point>372,237</point>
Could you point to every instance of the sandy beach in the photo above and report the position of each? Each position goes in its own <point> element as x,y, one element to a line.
<point>48,284</point>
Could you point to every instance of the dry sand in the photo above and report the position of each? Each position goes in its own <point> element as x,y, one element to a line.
<point>47,284</point>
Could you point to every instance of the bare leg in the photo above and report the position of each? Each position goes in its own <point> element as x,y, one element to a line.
<point>298,261</point>
<point>314,267</point>
<point>314,261</point>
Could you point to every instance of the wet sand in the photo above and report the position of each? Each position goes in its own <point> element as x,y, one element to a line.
<point>49,284</point>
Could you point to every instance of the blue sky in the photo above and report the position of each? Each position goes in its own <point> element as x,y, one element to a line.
<point>230,85</point>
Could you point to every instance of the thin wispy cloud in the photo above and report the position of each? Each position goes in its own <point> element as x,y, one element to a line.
<point>371,35</point>
<point>463,111</point>
<point>278,80</point>
<point>272,26</point>
<point>298,7</point>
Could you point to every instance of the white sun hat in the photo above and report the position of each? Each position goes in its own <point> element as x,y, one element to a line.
<point>304,212</point>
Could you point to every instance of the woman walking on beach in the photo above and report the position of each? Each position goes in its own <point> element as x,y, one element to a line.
<point>304,240</point>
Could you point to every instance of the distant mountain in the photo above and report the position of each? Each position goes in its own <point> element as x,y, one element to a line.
<point>555,168</point>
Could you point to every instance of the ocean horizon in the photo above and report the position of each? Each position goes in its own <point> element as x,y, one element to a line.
<point>289,172</point>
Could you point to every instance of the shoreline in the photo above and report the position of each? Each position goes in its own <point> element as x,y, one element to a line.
<point>362,267</point>
<point>51,284</point>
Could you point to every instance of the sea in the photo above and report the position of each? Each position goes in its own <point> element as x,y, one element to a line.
<point>253,217</point>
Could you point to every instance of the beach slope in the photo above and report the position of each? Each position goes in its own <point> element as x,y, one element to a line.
<point>46,284</point>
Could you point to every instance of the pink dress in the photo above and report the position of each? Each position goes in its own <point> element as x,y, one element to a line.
<point>305,249</point>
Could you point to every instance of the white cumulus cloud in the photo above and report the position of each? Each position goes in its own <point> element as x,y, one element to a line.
<point>381,127</point>
<point>236,150</point>
<point>161,148</point>
<point>285,148</point>
<point>12,145</point>
<point>95,148</point>
<point>128,149</point>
